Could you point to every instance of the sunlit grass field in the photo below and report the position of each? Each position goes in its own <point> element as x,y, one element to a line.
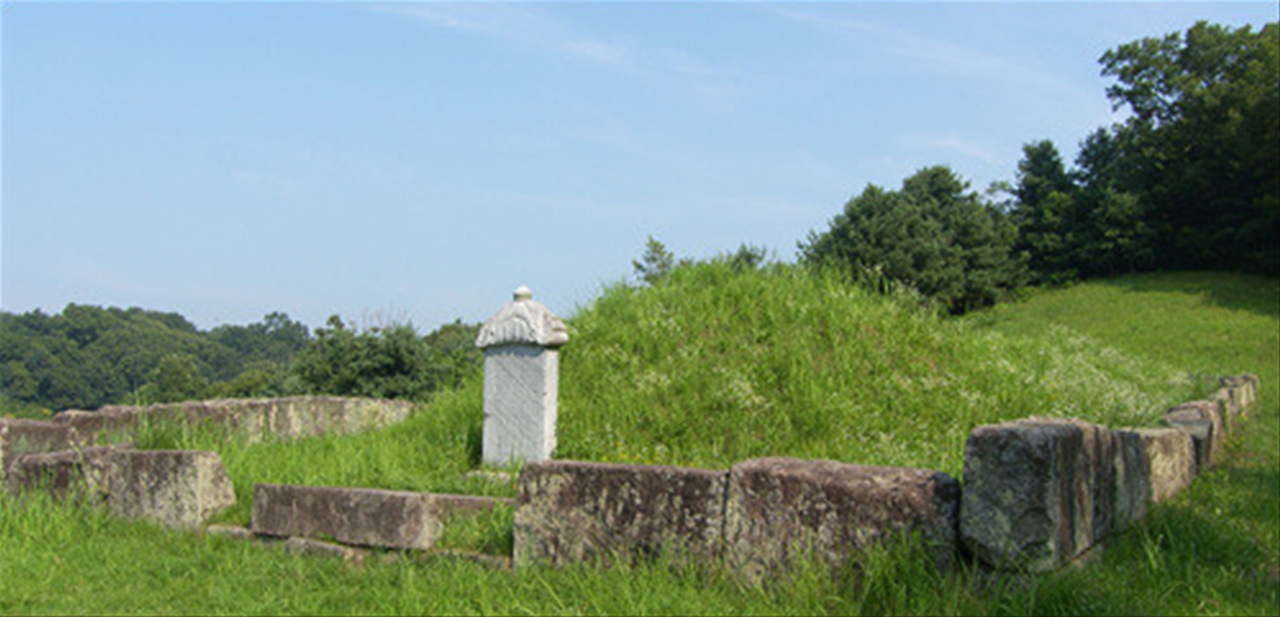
<point>714,366</point>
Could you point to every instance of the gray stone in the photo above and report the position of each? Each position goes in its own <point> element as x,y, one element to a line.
<point>1243,388</point>
<point>230,532</point>
<point>521,381</point>
<point>359,516</point>
<point>21,436</point>
<point>78,475</point>
<point>320,548</point>
<point>1037,493</point>
<point>1132,493</point>
<point>1169,458</point>
<point>287,418</point>
<point>177,488</point>
<point>570,511</point>
<point>779,510</point>
<point>1192,419</point>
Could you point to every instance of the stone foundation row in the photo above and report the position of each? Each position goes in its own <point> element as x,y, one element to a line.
<point>290,417</point>
<point>1037,494</point>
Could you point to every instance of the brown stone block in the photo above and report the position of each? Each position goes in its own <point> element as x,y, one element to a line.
<point>569,511</point>
<point>779,510</point>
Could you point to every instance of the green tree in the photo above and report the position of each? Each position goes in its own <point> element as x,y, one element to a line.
<point>175,378</point>
<point>933,235</point>
<point>655,264</point>
<point>1204,141</point>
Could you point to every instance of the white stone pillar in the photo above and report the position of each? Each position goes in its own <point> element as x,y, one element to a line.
<point>521,381</point>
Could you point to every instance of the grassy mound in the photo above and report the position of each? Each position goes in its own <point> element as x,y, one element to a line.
<point>716,365</point>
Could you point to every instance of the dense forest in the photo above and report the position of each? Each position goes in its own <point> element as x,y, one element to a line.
<point>89,356</point>
<point>1187,182</point>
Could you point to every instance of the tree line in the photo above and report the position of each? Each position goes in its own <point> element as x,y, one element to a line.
<point>1188,181</point>
<point>89,356</point>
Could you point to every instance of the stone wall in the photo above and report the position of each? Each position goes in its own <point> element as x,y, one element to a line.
<point>1037,493</point>
<point>289,418</point>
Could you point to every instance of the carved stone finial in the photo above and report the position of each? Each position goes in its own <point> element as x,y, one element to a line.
<point>523,322</point>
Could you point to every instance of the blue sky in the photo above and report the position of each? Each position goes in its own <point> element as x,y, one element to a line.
<point>420,161</point>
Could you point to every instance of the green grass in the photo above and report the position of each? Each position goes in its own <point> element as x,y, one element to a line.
<point>714,367</point>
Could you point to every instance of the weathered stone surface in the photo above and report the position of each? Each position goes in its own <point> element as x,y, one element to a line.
<point>289,417</point>
<point>320,548</point>
<point>781,509</point>
<point>521,391</point>
<point>523,322</point>
<point>20,436</point>
<point>360,516</point>
<point>1132,477</point>
<point>521,381</point>
<point>178,488</point>
<point>1198,422</point>
<point>230,532</point>
<point>1038,492</point>
<point>570,511</point>
<point>1243,388</point>
<point>1169,458</point>
<point>75,474</point>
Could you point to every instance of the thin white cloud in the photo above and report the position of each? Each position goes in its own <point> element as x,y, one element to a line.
<point>936,55</point>
<point>518,24</point>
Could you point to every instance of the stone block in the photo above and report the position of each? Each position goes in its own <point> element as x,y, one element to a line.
<point>78,474</point>
<point>779,510</point>
<point>569,511</point>
<point>1169,457</point>
<point>177,488</point>
<point>359,516</point>
<point>1037,493</point>
<point>1132,476</point>
<point>1243,388</point>
<point>21,436</point>
<point>1197,419</point>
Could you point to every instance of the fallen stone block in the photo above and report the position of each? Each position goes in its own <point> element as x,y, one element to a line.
<point>1037,493</point>
<point>359,516</point>
<point>780,510</point>
<point>320,548</point>
<point>177,488</point>
<point>21,436</point>
<point>570,511</point>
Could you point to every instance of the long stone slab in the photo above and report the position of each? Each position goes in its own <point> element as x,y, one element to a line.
<point>359,516</point>
<point>570,511</point>
<point>782,509</point>
<point>287,417</point>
